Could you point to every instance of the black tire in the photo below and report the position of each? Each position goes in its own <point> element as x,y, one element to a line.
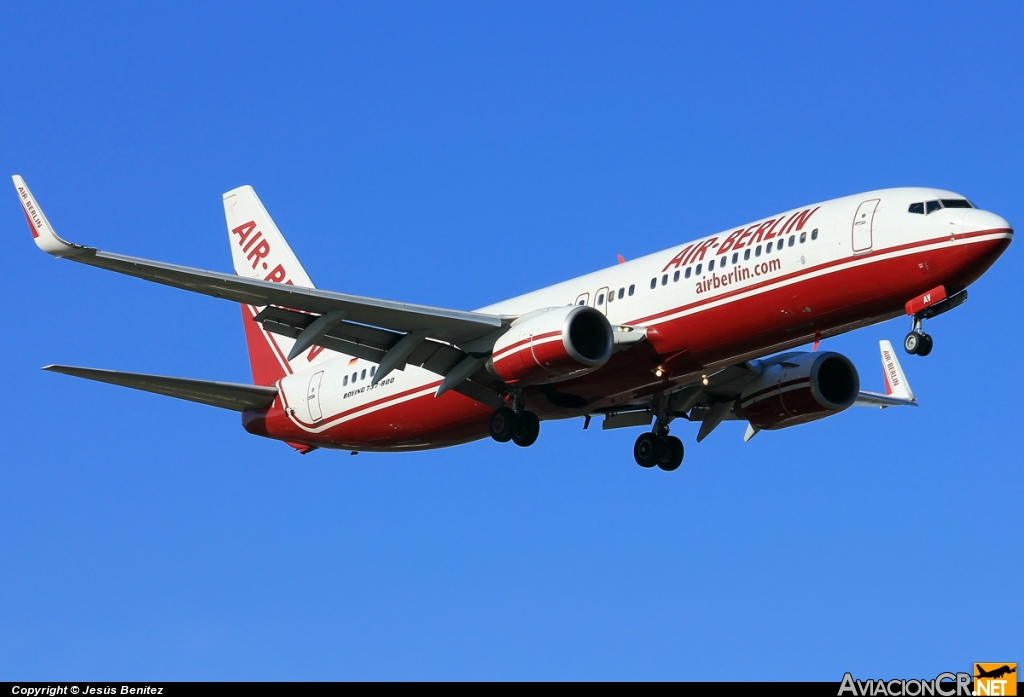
<point>503,424</point>
<point>912,343</point>
<point>527,429</point>
<point>645,450</point>
<point>926,345</point>
<point>671,455</point>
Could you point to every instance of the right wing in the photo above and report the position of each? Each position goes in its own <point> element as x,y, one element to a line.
<point>452,326</point>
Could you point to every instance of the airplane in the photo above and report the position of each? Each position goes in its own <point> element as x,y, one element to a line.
<point>995,673</point>
<point>703,331</point>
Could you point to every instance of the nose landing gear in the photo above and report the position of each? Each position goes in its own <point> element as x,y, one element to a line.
<point>917,342</point>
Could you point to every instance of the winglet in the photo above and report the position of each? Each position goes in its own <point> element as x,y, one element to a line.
<point>896,384</point>
<point>43,233</point>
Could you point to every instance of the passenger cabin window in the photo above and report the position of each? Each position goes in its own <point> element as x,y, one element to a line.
<point>362,375</point>
<point>345,381</point>
<point>631,289</point>
<point>711,265</point>
<point>735,257</point>
<point>621,291</point>
<point>698,269</point>
<point>757,251</point>
<point>688,270</point>
<point>803,237</point>
<point>956,203</point>
<point>600,299</point>
<point>768,249</point>
<point>654,283</point>
<point>664,280</point>
<point>814,234</point>
<point>721,262</point>
<point>916,208</point>
<point>675,276</point>
<point>373,371</point>
<point>932,206</point>
<point>611,295</point>
<point>792,240</point>
<point>746,255</point>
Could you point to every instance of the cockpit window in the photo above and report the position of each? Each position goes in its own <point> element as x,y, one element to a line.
<point>956,203</point>
<point>932,206</point>
<point>916,208</point>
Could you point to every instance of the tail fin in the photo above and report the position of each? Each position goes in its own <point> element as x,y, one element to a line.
<point>259,250</point>
<point>896,384</point>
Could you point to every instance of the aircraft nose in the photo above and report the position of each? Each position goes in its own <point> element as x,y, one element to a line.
<point>977,221</point>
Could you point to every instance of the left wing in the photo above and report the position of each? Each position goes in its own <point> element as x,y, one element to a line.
<point>452,326</point>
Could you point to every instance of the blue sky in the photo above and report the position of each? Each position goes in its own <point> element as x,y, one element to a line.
<point>454,155</point>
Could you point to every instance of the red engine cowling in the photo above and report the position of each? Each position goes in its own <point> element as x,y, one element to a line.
<point>552,345</point>
<point>805,387</point>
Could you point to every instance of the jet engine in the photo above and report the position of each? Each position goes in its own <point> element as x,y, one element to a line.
<point>551,345</point>
<point>803,387</point>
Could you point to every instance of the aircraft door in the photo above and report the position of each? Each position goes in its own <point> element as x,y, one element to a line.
<point>313,397</point>
<point>601,299</point>
<point>583,299</point>
<point>863,222</point>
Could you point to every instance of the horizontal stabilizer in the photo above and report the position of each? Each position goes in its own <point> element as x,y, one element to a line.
<point>226,395</point>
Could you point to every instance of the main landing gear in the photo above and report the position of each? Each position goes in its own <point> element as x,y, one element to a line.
<point>665,451</point>
<point>522,428</point>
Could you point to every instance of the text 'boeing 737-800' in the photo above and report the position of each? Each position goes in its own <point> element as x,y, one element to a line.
<point>703,331</point>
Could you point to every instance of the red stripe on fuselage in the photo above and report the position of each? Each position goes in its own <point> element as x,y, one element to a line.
<point>805,272</point>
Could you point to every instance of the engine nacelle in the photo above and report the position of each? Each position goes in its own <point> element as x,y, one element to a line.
<point>806,387</point>
<point>551,345</point>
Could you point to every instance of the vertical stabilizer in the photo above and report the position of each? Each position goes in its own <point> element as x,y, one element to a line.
<point>259,250</point>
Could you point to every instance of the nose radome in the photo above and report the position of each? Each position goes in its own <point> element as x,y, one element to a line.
<point>977,221</point>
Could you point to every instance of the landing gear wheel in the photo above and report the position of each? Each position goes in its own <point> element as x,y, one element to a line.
<point>527,429</point>
<point>503,424</point>
<point>912,343</point>
<point>645,451</point>
<point>670,455</point>
<point>926,345</point>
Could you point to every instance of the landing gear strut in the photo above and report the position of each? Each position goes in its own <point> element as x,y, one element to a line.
<point>665,451</point>
<point>522,428</point>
